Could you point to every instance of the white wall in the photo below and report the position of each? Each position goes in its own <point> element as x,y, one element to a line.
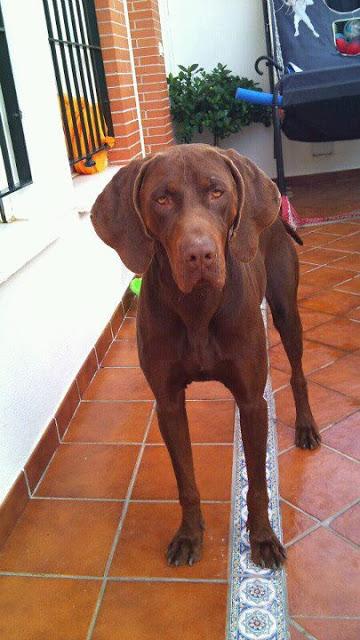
<point>54,308</point>
<point>232,32</point>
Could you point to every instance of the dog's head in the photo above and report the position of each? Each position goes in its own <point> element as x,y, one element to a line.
<point>194,200</point>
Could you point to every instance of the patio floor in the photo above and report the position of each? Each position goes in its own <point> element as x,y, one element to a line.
<point>86,559</point>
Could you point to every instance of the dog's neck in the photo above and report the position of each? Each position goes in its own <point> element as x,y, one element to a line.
<point>195,309</point>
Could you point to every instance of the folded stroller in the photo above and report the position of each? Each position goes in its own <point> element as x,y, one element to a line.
<point>313,56</point>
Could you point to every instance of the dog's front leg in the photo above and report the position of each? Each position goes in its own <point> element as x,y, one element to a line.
<point>185,548</point>
<point>266,550</point>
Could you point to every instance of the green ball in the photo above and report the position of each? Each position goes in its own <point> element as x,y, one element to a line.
<point>135,286</point>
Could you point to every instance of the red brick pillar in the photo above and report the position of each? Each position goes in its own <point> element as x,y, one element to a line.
<point>114,38</point>
<point>153,94</point>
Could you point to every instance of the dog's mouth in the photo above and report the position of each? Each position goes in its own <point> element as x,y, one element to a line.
<point>188,282</point>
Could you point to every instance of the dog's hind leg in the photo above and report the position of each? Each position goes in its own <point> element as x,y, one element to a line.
<point>281,293</point>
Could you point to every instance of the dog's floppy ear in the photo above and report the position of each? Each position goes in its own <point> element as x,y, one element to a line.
<point>258,203</point>
<point>117,219</point>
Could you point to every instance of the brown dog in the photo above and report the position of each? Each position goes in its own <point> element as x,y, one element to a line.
<point>202,225</point>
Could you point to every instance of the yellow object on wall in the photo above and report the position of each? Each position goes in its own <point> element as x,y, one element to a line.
<point>100,158</point>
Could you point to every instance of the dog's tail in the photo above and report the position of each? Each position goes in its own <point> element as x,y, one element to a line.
<point>292,232</point>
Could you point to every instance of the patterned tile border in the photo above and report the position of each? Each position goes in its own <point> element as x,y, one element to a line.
<point>257,604</point>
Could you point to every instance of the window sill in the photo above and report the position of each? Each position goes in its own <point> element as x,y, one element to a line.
<point>22,240</point>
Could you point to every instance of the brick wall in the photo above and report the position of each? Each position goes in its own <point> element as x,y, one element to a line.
<point>135,75</point>
<point>150,73</point>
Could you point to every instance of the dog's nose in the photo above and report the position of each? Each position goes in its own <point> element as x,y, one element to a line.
<point>200,253</point>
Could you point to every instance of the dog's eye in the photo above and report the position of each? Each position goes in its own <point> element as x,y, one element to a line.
<point>163,200</point>
<point>216,193</point>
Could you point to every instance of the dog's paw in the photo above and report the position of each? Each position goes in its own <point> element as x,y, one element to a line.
<point>307,437</point>
<point>184,549</point>
<point>268,552</point>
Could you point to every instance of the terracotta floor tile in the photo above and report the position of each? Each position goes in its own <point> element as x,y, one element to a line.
<point>104,342</point>
<point>58,536</point>
<point>318,239</point>
<point>354,314</point>
<point>340,228</point>
<point>316,586</point>
<point>122,353</point>
<point>315,355</point>
<point>325,277</point>
<point>305,267</point>
<point>89,471</point>
<point>41,455</point>
<point>310,319</point>
<point>323,256</point>
<point>132,311</point>
<point>87,371</point>
<point>343,436</point>
<point>320,482</point>
<point>35,608</point>
<point>210,390</point>
<point>332,301</point>
<point>331,628</point>
<point>300,249</point>
<point>340,332</point>
<point>149,528</point>
<point>109,422</point>
<point>348,524</point>
<point>295,634</point>
<point>279,379</point>
<point>285,436</point>
<point>154,611</point>
<point>127,330</point>
<point>327,406</point>
<point>67,408</point>
<point>350,243</point>
<point>351,262</point>
<point>353,285</point>
<point>273,336</point>
<point>305,291</point>
<point>117,318</point>
<point>342,376</point>
<point>213,467</point>
<point>294,522</point>
<point>211,421</point>
<point>119,384</point>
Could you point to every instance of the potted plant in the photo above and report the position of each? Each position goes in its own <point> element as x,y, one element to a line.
<point>206,100</point>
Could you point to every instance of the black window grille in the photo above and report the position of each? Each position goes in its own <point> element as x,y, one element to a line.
<point>14,164</point>
<point>80,76</point>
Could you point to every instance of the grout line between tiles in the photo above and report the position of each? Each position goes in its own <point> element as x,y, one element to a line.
<point>302,535</point>
<point>49,576</point>
<point>344,455</point>
<point>163,579</point>
<point>120,500</point>
<point>149,400</point>
<point>305,513</point>
<point>343,538</point>
<point>325,524</point>
<point>119,529</point>
<point>60,576</point>
<point>73,416</point>
<point>125,366</point>
<point>330,519</point>
<point>43,473</point>
<point>27,483</point>
<point>76,499</point>
<point>299,628</point>
<point>305,615</point>
<point>57,426</point>
<point>125,443</point>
